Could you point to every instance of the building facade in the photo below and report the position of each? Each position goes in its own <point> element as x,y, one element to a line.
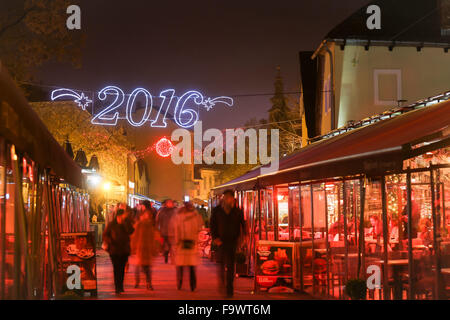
<point>362,72</point>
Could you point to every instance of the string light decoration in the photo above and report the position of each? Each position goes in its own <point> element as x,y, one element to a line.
<point>81,99</point>
<point>184,116</point>
<point>164,147</point>
<point>140,154</point>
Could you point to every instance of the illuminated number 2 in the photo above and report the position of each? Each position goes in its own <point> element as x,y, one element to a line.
<point>102,95</point>
<point>147,111</point>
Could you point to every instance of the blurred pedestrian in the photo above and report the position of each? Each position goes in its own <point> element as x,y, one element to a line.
<point>116,241</point>
<point>186,225</point>
<point>148,206</point>
<point>227,227</point>
<point>204,213</point>
<point>143,245</point>
<point>163,218</point>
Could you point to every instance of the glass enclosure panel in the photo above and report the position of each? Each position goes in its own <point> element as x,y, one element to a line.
<point>397,235</point>
<point>270,215</point>
<point>307,237</point>
<point>9,230</point>
<point>422,236</point>
<point>352,212</point>
<point>373,233</point>
<point>249,211</point>
<point>335,220</point>
<point>262,223</point>
<point>320,265</point>
<point>294,207</point>
<point>442,187</point>
<point>283,214</point>
<point>2,216</point>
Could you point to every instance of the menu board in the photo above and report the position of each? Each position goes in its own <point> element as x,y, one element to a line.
<point>78,249</point>
<point>274,267</point>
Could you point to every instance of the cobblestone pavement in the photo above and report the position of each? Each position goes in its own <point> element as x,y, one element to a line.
<point>165,287</point>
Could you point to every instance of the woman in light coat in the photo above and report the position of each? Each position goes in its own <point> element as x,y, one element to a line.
<point>186,225</point>
<point>144,246</point>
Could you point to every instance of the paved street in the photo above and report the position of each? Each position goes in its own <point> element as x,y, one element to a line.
<point>165,287</point>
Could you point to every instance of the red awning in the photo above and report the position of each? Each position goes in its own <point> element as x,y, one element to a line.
<point>373,149</point>
<point>20,125</point>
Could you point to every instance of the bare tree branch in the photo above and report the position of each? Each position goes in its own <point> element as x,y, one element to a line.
<point>18,20</point>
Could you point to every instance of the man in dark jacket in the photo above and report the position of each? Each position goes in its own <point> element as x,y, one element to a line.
<point>227,226</point>
<point>163,219</point>
<point>116,238</point>
<point>148,206</point>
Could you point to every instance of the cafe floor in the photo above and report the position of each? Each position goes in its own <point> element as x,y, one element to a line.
<point>165,287</point>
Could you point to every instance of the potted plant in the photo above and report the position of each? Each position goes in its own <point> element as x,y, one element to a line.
<point>241,266</point>
<point>356,289</point>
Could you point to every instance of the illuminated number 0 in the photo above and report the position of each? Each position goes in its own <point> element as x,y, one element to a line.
<point>148,110</point>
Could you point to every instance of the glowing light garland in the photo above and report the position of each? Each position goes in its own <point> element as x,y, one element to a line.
<point>184,116</point>
<point>82,100</point>
<point>164,147</point>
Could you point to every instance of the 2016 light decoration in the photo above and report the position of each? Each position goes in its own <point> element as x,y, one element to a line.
<point>184,116</point>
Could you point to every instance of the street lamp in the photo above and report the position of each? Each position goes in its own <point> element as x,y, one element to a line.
<point>94,180</point>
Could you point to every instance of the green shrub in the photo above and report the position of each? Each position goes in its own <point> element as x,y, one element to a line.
<point>356,289</point>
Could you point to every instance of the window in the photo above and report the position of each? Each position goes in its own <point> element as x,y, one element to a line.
<point>387,86</point>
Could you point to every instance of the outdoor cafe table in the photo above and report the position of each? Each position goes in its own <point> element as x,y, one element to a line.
<point>396,264</point>
<point>350,255</point>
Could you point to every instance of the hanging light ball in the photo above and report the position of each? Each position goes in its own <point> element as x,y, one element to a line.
<point>164,147</point>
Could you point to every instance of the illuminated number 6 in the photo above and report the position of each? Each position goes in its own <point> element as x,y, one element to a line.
<point>148,110</point>
<point>120,97</point>
<point>191,113</point>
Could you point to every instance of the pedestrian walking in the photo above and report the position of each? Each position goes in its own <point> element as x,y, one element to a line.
<point>204,213</point>
<point>227,227</point>
<point>186,225</point>
<point>163,218</point>
<point>148,206</point>
<point>116,241</point>
<point>144,246</point>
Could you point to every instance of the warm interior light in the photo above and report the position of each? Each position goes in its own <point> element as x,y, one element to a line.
<point>107,186</point>
<point>13,153</point>
<point>94,180</point>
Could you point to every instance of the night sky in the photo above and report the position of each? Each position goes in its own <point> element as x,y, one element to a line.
<point>217,47</point>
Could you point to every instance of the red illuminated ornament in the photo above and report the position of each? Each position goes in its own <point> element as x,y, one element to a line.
<point>164,147</point>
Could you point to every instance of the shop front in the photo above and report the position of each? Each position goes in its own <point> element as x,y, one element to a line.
<point>40,200</point>
<point>371,204</point>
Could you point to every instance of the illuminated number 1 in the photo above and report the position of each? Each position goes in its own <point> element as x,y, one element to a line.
<point>166,95</point>
<point>147,111</point>
<point>120,97</point>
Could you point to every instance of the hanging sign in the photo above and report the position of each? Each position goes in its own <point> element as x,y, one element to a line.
<point>183,108</point>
